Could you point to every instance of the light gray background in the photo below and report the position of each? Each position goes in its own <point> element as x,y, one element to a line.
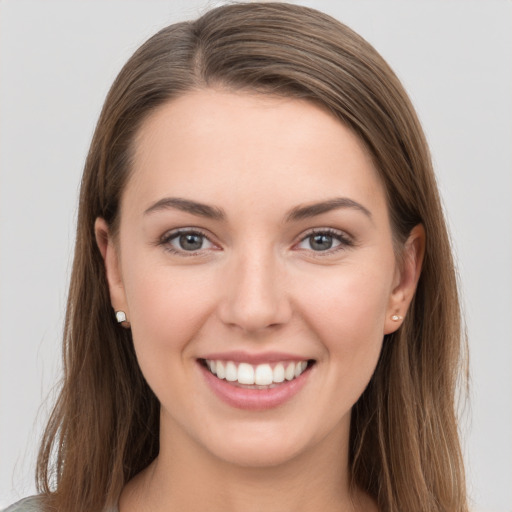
<point>57,60</point>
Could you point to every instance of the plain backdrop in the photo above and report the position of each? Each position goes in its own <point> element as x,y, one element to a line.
<point>57,61</point>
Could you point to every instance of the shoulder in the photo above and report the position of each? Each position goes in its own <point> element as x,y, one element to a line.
<point>31,504</point>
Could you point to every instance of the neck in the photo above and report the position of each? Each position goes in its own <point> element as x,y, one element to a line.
<point>185,477</point>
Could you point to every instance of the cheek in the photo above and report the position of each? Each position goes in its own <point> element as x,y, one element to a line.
<point>347,313</point>
<point>167,308</point>
<point>351,301</point>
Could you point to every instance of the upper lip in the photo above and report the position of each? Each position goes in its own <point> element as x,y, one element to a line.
<point>254,358</point>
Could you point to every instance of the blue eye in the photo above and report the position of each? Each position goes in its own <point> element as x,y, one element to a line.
<point>190,241</point>
<point>321,242</point>
<point>325,240</point>
<point>187,241</point>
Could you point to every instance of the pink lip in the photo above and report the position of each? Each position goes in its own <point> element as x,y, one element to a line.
<point>260,358</point>
<point>253,399</point>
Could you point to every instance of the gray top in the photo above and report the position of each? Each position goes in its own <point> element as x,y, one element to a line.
<point>31,504</point>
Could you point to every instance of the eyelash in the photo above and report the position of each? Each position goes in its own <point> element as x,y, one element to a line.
<point>166,240</point>
<point>344,240</point>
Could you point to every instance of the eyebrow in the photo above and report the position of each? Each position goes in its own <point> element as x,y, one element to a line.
<point>186,205</point>
<point>307,211</point>
<point>298,213</point>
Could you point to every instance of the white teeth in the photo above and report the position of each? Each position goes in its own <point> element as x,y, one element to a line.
<point>289,373</point>
<point>245,373</point>
<point>221,372</point>
<point>263,376</point>
<point>231,372</point>
<point>278,374</point>
<point>260,375</point>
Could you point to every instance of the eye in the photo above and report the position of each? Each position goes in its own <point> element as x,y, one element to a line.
<point>326,240</point>
<point>186,241</point>
<point>319,242</point>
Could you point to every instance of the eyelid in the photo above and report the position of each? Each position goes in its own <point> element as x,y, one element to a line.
<point>346,241</point>
<point>172,234</point>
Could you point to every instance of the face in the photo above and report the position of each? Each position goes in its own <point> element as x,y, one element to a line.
<point>255,264</point>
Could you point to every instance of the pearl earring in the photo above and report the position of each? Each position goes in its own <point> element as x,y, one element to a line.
<point>120,317</point>
<point>397,318</point>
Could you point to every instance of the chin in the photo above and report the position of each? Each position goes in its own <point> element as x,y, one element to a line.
<point>263,445</point>
<point>258,454</point>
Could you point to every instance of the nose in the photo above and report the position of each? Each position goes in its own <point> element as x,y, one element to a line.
<point>255,297</point>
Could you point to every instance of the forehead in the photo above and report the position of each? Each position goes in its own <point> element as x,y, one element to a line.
<point>213,144</point>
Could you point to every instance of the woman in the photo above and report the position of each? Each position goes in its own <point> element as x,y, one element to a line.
<point>263,308</point>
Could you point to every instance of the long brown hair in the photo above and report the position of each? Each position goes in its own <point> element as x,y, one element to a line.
<point>404,446</point>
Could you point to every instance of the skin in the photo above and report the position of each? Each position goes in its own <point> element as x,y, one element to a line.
<point>257,285</point>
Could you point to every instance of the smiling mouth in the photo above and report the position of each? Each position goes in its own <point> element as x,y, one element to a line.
<point>260,376</point>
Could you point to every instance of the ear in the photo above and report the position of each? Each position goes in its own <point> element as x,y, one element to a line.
<point>109,251</point>
<point>406,279</point>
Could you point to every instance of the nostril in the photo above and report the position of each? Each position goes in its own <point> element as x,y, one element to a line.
<point>252,315</point>
<point>253,298</point>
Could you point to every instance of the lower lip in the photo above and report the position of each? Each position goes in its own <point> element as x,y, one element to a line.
<point>255,399</point>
